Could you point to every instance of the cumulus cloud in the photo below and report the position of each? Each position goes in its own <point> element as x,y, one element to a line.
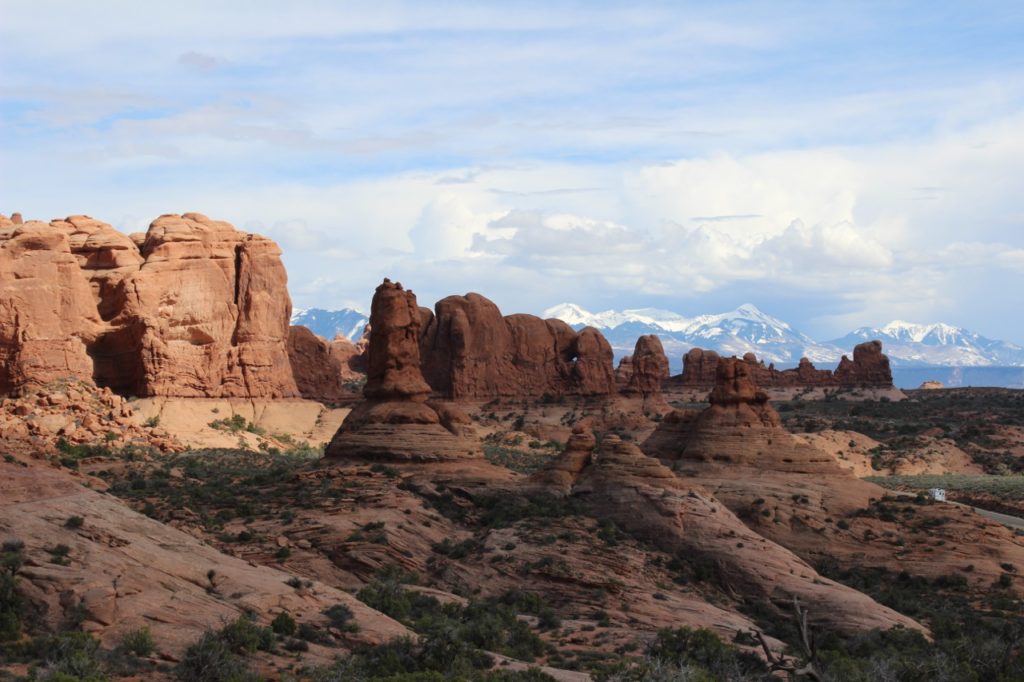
<point>446,228</point>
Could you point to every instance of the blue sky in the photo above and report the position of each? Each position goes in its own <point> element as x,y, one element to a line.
<point>837,164</point>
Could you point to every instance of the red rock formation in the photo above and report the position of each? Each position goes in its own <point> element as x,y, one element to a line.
<point>560,474</point>
<point>618,482</point>
<point>649,367</point>
<point>318,373</point>
<point>699,367</point>
<point>470,351</point>
<point>739,428</point>
<point>592,370</point>
<point>396,422</point>
<point>868,369</point>
<point>624,372</point>
<point>196,309</point>
<point>48,316</point>
<point>351,357</point>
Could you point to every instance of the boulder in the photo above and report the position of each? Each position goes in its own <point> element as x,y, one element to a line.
<point>559,475</point>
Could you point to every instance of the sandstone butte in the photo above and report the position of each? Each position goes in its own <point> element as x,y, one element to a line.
<point>868,369</point>
<point>471,352</point>
<point>191,308</point>
<point>396,422</point>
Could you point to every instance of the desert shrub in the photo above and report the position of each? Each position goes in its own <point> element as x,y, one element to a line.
<point>341,617</point>
<point>234,423</point>
<point>244,636</point>
<point>138,642</point>
<point>703,648</point>
<point>517,460</point>
<point>387,470</point>
<point>12,608</point>
<point>456,550</point>
<point>75,655</point>
<point>74,522</point>
<point>296,645</point>
<point>500,511</point>
<point>308,632</point>
<point>12,556</point>
<point>436,658</point>
<point>12,604</point>
<point>283,624</point>
<point>481,625</point>
<point>210,659</point>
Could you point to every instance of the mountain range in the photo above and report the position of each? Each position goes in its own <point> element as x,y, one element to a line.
<point>745,329</point>
<point>749,329</point>
<point>329,323</point>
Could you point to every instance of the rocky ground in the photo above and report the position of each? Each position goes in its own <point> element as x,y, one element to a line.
<point>185,541</point>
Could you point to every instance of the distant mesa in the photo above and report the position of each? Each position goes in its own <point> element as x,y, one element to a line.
<point>868,369</point>
<point>396,421</point>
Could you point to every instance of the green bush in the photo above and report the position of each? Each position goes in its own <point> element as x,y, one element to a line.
<point>341,617</point>
<point>12,608</point>
<point>244,636</point>
<point>139,642</point>
<point>479,625</point>
<point>283,624</point>
<point>12,556</point>
<point>702,647</point>
<point>74,654</point>
<point>210,659</point>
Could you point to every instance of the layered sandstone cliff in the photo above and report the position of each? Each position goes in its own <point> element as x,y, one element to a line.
<point>396,422</point>
<point>868,369</point>
<point>471,351</point>
<point>192,308</point>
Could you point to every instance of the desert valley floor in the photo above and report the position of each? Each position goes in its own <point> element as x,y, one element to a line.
<point>191,490</point>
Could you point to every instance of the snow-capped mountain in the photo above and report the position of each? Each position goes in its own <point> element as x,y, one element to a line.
<point>909,345</point>
<point>745,329</point>
<point>736,332</point>
<point>328,323</point>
